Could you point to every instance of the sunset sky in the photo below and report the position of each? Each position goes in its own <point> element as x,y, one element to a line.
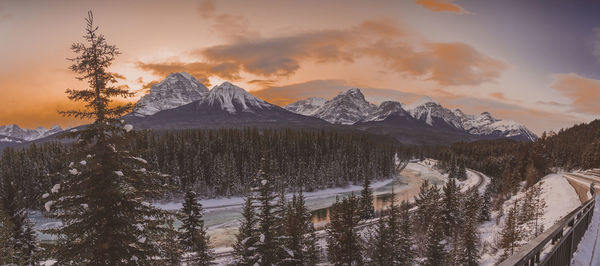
<point>535,62</point>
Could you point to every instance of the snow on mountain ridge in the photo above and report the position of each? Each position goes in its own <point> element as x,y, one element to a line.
<point>228,96</point>
<point>307,106</point>
<point>175,90</point>
<point>346,108</point>
<point>14,131</point>
<point>350,107</point>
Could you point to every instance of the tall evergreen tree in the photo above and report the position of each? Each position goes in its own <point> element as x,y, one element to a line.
<point>469,234</point>
<point>380,251</point>
<point>367,211</point>
<point>105,220</point>
<point>405,240</point>
<point>300,241</point>
<point>433,245</point>
<point>8,253</point>
<point>461,173</point>
<point>192,234</point>
<point>435,252</point>
<point>486,205</point>
<point>344,244</point>
<point>21,236</point>
<point>511,234</point>
<point>268,250</point>
<point>391,243</point>
<point>246,238</point>
<point>450,207</point>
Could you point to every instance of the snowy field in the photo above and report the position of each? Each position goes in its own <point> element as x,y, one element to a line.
<point>560,199</point>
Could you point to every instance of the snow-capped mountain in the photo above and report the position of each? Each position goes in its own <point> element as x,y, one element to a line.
<point>15,132</point>
<point>233,99</point>
<point>385,109</point>
<point>306,107</point>
<point>432,113</point>
<point>346,108</point>
<point>486,125</point>
<point>225,106</point>
<point>351,107</point>
<point>175,90</point>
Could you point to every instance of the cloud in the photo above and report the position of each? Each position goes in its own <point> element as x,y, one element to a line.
<point>281,56</point>
<point>441,6</point>
<point>395,47</point>
<point>230,27</point>
<point>207,8</point>
<point>201,71</point>
<point>445,63</point>
<point>583,92</point>
<point>498,95</point>
<point>552,103</point>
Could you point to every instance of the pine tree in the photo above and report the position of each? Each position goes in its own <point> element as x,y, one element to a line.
<point>8,254</point>
<point>105,220</point>
<point>450,208</point>
<point>267,247</point>
<point>391,243</point>
<point>511,234</point>
<point>435,252</point>
<point>367,210</point>
<point>192,234</point>
<point>344,244</point>
<point>434,234</point>
<point>469,235</point>
<point>404,243</point>
<point>21,235</point>
<point>539,208</point>
<point>461,173</point>
<point>246,238</point>
<point>381,251</point>
<point>300,241</point>
<point>486,205</point>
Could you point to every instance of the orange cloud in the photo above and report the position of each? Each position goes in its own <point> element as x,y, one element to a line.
<point>446,63</point>
<point>498,95</point>
<point>441,6</point>
<point>584,92</point>
<point>201,71</point>
<point>397,48</point>
<point>231,27</point>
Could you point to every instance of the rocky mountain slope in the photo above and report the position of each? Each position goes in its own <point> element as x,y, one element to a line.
<point>175,90</point>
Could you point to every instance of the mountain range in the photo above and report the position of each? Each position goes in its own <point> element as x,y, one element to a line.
<point>351,108</point>
<point>182,102</point>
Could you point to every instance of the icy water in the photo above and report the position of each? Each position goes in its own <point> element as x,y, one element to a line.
<point>222,221</point>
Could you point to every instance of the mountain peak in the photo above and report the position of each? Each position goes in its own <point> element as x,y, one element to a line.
<point>307,106</point>
<point>422,101</point>
<point>231,98</point>
<point>17,132</point>
<point>175,90</point>
<point>347,107</point>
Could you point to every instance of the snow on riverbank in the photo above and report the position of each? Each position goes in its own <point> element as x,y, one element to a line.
<point>560,199</point>
<point>588,250</point>
<point>211,204</point>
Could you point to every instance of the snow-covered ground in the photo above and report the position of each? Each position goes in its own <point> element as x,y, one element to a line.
<point>560,199</point>
<point>588,250</point>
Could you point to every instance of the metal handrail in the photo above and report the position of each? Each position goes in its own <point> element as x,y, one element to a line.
<point>561,236</point>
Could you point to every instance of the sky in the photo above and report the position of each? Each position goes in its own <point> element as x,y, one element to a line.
<point>535,62</point>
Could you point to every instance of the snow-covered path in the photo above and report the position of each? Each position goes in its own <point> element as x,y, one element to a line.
<point>588,251</point>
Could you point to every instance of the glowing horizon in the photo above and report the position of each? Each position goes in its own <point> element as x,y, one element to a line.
<point>530,62</point>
